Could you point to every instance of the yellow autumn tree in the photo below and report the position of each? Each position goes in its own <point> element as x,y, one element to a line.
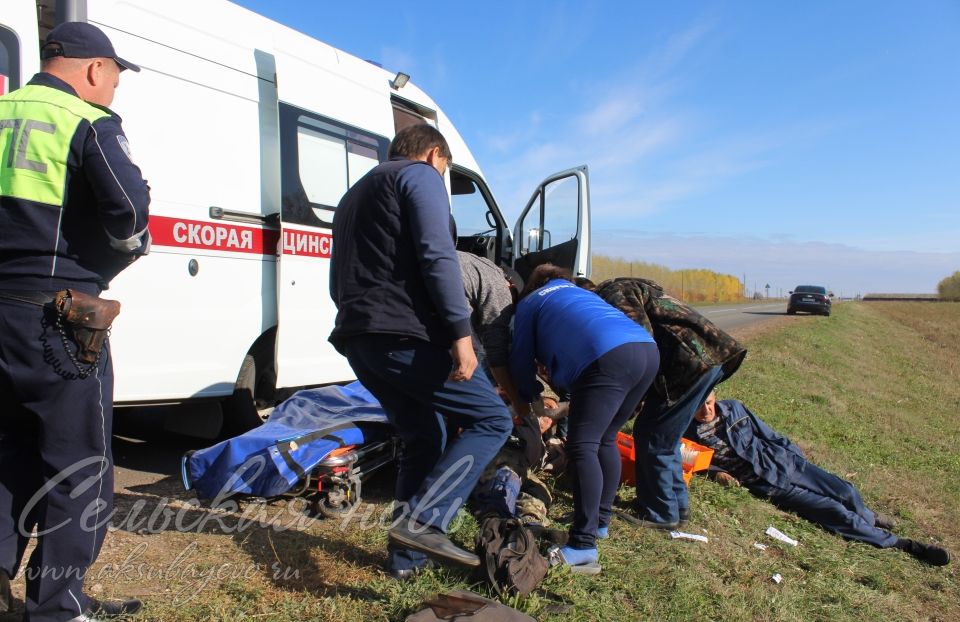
<point>688,285</point>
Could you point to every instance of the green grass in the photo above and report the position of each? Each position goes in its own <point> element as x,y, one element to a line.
<point>870,393</point>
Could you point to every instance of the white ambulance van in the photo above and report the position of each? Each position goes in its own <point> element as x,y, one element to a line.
<point>249,133</point>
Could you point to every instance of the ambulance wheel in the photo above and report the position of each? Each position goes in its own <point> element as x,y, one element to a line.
<point>255,388</point>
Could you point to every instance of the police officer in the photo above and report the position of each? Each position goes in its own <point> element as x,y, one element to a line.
<point>73,211</point>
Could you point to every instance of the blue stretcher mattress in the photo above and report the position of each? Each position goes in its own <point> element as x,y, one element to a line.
<point>269,460</point>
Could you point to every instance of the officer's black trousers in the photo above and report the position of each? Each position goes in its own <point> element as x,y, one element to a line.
<point>56,468</point>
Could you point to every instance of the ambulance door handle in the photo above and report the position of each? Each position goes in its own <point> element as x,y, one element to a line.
<point>218,213</point>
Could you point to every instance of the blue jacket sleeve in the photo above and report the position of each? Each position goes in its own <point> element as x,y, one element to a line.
<point>762,430</point>
<point>122,195</point>
<point>424,197</point>
<point>523,354</point>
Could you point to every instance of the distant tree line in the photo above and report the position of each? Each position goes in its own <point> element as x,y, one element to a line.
<point>949,288</point>
<point>686,285</point>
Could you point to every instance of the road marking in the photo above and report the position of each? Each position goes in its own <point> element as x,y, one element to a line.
<point>738,309</point>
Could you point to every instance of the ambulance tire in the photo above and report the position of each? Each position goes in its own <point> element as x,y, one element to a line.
<point>255,389</point>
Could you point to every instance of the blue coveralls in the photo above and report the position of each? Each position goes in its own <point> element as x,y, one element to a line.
<point>73,211</point>
<point>396,281</point>
<point>794,484</point>
<point>607,361</point>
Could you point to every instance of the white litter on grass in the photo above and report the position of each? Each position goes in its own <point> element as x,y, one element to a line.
<point>777,578</point>
<point>688,536</point>
<point>776,534</point>
<point>762,547</point>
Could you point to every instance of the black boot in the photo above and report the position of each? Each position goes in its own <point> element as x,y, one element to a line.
<point>927,553</point>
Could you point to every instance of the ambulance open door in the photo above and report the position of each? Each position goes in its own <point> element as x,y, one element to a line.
<point>555,225</point>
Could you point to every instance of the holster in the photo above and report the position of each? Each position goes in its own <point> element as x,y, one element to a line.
<point>89,318</point>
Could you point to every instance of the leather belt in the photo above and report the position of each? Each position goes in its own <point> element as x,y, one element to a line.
<point>39,299</point>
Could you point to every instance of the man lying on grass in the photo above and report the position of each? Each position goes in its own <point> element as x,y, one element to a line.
<point>747,452</point>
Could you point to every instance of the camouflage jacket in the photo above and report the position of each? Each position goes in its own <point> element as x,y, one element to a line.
<point>689,343</point>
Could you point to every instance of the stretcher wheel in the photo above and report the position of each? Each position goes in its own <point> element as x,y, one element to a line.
<point>336,501</point>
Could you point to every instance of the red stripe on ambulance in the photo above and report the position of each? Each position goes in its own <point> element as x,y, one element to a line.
<point>307,243</point>
<point>183,233</point>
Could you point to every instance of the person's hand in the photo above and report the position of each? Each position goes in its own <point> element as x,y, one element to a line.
<point>725,479</point>
<point>464,359</point>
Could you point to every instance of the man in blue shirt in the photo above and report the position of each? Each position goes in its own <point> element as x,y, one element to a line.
<point>404,325</point>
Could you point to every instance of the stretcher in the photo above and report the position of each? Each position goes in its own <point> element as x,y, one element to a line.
<point>320,444</point>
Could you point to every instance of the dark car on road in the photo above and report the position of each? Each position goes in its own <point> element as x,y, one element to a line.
<point>809,298</point>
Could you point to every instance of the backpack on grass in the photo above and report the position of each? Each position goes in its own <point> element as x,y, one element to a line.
<point>510,559</point>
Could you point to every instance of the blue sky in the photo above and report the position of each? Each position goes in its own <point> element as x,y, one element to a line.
<point>792,142</point>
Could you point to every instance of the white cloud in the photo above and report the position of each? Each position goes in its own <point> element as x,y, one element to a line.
<point>396,59</point>
<point>644,150</point>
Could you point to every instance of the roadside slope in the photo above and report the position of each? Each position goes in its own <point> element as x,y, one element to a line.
<point>870,393</point>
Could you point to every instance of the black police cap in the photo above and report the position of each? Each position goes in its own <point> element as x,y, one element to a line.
<point>81,40</point>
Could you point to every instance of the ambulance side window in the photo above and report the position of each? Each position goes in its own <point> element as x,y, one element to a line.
<point>9,61</point>
<point>320,159</point>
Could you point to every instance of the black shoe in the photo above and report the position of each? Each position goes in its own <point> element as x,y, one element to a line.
<point>884,522</point>
<point>646,521</point>
<point>405,574</point>
<point>927,553</point>
<point>6,598</point>
<point>432,542</point>
<point>651,524</point>
<point>684,516</point>
<point>105,610</point>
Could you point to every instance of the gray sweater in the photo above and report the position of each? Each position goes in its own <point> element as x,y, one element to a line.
<point>491,306</point>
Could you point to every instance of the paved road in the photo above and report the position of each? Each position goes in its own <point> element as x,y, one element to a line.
<point>731,317</point>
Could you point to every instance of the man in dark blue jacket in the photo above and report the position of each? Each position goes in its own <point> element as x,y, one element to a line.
<point>748,452</point>
<point>404,325</point>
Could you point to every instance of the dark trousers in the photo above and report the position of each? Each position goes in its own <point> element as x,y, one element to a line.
<point>833,503</point>
<point>603,398</point>
<point>436,474</point>
<point>661,491</point>
<point>56,468</point>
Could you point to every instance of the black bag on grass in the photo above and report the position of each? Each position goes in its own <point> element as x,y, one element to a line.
<point>510,559</point>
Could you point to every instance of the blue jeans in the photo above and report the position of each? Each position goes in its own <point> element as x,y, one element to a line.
<point>833,503</point>
<point>603,398</point>
<point>436,474</point>
<point>661,491</point>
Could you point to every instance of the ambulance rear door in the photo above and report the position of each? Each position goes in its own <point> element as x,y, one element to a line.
<point>19,42</point>
<point>555,225</point>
